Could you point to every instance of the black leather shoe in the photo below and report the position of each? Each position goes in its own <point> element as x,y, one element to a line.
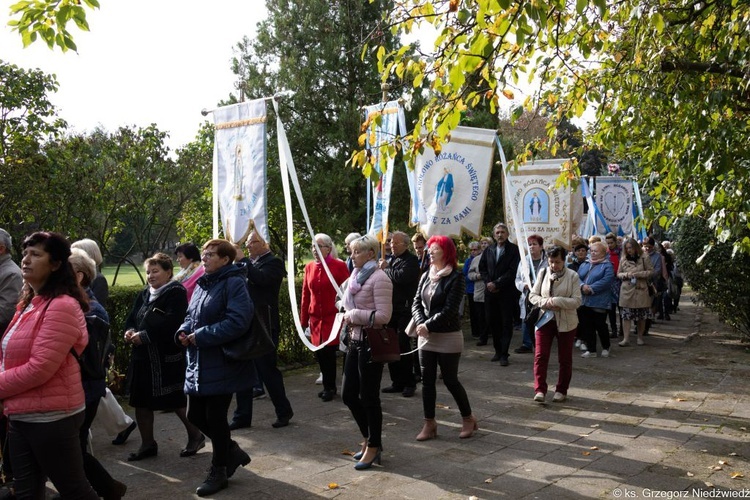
<point>215,482</point>
<point>328,395</point>
<point>282,421</point>
<point>523,350</point>
<point>124,435</point>
<point>391,389</point>
<point>408,392</point>
<point>496,357</point>
<point>504,361</point>
<point>481,343</point>
<point>258,393</point>
<point>238,424</point>
<point>193,447</point>
<point>151,451</point>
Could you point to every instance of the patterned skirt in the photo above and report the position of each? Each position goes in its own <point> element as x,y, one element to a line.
<point>636,313</point>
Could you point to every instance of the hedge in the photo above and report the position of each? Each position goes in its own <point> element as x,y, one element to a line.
<point>721,280</point>
<point>292,352</point>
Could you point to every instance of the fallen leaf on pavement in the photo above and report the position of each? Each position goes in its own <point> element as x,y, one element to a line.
<point>737,475</point>
<point>723,462</point>
<point>586,453</point>
<point>488,480</point>
<point>594,448</point>
<point>690,474</point>
<point>333,486</point>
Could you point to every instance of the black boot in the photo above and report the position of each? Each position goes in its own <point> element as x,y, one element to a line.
<point>237,457</point>
<point>215,482</point>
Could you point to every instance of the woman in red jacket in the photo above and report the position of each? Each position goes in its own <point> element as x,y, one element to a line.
<point>318,309</point>
<point>40,380</point>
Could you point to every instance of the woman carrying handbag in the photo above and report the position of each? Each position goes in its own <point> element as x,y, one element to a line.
<point>367,302</point>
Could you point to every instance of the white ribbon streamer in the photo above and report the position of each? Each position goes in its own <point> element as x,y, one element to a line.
<point>288,172</point>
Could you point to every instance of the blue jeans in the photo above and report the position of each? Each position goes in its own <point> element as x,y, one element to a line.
<point>528,341</point>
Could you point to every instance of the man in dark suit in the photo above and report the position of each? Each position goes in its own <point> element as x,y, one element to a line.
<point>403,269</point>
<point>265,272</point>
<point>498,269</point>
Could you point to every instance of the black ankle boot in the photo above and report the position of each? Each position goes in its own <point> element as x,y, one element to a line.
<point>215,481</point>
<point>237,457</point>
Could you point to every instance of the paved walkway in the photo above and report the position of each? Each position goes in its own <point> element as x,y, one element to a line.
<point>671,416</point>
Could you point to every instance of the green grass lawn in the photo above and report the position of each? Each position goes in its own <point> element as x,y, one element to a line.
<point>126,277</point>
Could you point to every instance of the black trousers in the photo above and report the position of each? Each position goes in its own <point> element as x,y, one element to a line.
<point>402,371</point>
<point>327,361</point>
<point>361,392</point>
<point>100,479</point>
<point>476,316</point>
<point>49,450</point>
<point>209,414</point>
<point>449,368</point>
<point>270,376</point>
<point>499,311</point>
<point>593,323</point>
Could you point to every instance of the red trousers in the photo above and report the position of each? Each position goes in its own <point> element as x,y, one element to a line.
<point>565,340</point>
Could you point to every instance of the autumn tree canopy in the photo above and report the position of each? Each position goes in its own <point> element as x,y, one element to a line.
<point>666,79</point>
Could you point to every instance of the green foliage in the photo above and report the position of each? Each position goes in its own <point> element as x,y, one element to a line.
<point>721,281</point>
<point>121,299</point>
<point>119,305</point>
<point>195,161</point>
<point>668,82</point>
<point>48,20</point>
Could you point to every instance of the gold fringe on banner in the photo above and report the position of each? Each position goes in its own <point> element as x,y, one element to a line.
<point>240,123</point>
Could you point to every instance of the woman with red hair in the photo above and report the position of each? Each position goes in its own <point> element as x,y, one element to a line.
<point>438,326</point>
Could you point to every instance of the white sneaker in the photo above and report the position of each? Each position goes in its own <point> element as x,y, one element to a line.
<point>583,346</point>
<point>559,397</point>
<point>578,343</point>
<point>586,354</point>
<point>319,380</point>
<point>539,397</point>
<point>605,353</point>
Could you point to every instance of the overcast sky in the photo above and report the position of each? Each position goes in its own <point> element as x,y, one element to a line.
<point>143,62</point>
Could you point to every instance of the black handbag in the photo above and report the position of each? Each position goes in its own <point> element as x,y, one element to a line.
<point>382,341</point>
<point>254,343</point>
<point>532,312</point>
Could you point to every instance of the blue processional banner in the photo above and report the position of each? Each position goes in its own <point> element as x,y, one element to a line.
<point>614,197</point>
<point>240,169</point>
<point>392,122</point>
<point>450,188</point>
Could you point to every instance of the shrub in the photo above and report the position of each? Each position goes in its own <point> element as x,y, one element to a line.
<point>720,281</point>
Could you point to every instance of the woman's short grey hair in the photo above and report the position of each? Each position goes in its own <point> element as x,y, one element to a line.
<point>81,262</point>
<point>351,237</point>
<point>327,241</point>
<point>473,244</point>
<point>91,248</point>
<point>364,244</point>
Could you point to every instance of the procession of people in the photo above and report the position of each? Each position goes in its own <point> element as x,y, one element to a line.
<point>182,358</point>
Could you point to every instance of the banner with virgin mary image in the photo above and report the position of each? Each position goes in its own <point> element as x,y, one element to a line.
<point>534,205</point>
<point>451,186</point>
<point>240,169</point>
<point>614,197</point>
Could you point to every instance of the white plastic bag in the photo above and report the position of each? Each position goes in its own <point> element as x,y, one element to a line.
<point>111,415</point>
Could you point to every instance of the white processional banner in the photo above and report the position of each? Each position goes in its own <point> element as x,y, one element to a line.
<point>553,213</point>
<point>392,123</point>
<point>240,168</point>
<point>452,186</point>
<point>614,197</point>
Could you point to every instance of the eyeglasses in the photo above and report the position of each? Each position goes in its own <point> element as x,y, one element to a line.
<point>208,255</point>
<point>321,246</point>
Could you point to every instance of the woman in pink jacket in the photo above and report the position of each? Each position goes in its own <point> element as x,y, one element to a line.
<point>40,380</point>
<point>367,301</point>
